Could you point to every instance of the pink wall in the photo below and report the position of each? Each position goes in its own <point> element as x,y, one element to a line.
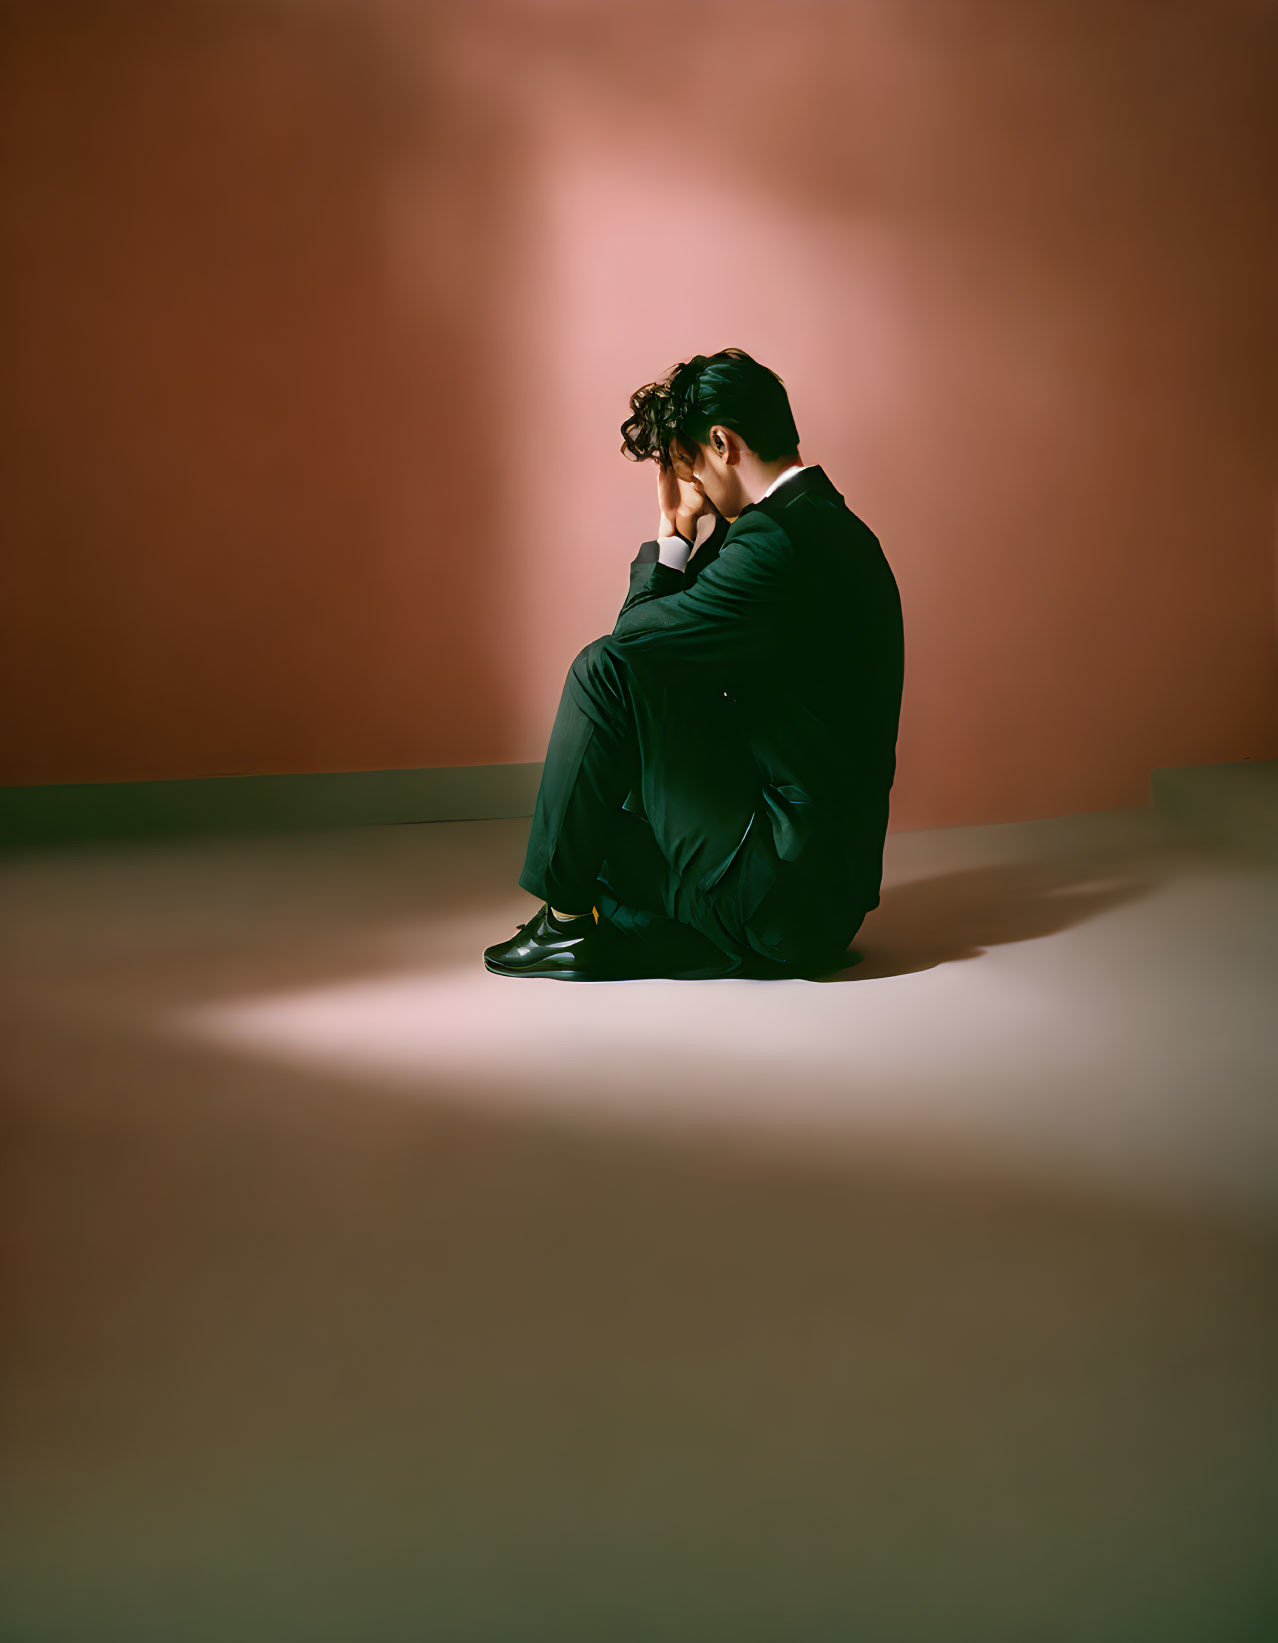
<point>320,322</point>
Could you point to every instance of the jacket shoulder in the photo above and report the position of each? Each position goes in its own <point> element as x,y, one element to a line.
<point>757,529</point>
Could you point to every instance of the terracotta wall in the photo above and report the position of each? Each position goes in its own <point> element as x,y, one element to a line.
<point>320,320</point>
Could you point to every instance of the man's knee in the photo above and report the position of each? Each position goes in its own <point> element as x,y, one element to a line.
<point>596,661</point>
<point>601,652</point>
<point>601,675</point>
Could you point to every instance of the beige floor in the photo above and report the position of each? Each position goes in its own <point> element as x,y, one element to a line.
<point>352,1292</point>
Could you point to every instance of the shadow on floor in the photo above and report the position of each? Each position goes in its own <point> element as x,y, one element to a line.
<point>950,917</point>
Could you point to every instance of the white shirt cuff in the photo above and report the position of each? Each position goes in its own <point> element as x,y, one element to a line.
<point>674,551</point>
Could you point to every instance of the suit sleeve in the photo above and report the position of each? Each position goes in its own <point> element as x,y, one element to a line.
<point>728,614</point>
<point>681,555</point>
<point>655,552</point>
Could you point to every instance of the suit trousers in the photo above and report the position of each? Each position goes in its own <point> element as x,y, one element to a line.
<point>651,808</point>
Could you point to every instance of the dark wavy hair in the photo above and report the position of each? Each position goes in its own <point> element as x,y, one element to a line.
<point>727,387</point>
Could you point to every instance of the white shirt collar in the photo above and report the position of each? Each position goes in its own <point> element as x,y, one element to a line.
<point>794,468</point>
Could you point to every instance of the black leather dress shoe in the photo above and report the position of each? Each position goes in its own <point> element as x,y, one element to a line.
<point>591,949</point>
<point>571,950</point>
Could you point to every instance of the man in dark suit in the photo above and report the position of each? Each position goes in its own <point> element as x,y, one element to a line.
<point>715,794</point>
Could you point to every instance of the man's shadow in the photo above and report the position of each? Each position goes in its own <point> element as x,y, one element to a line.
<point>946,917</point>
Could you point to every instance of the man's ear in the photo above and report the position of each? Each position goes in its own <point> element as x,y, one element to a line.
<point>728,446</point>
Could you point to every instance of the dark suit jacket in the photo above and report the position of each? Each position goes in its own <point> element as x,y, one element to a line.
<point>794,613</point>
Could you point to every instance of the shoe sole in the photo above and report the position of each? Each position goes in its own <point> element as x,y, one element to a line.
<point>730,969</point>
<point>599,970</point>
<point>547,971</point>
<point>702,972</point>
